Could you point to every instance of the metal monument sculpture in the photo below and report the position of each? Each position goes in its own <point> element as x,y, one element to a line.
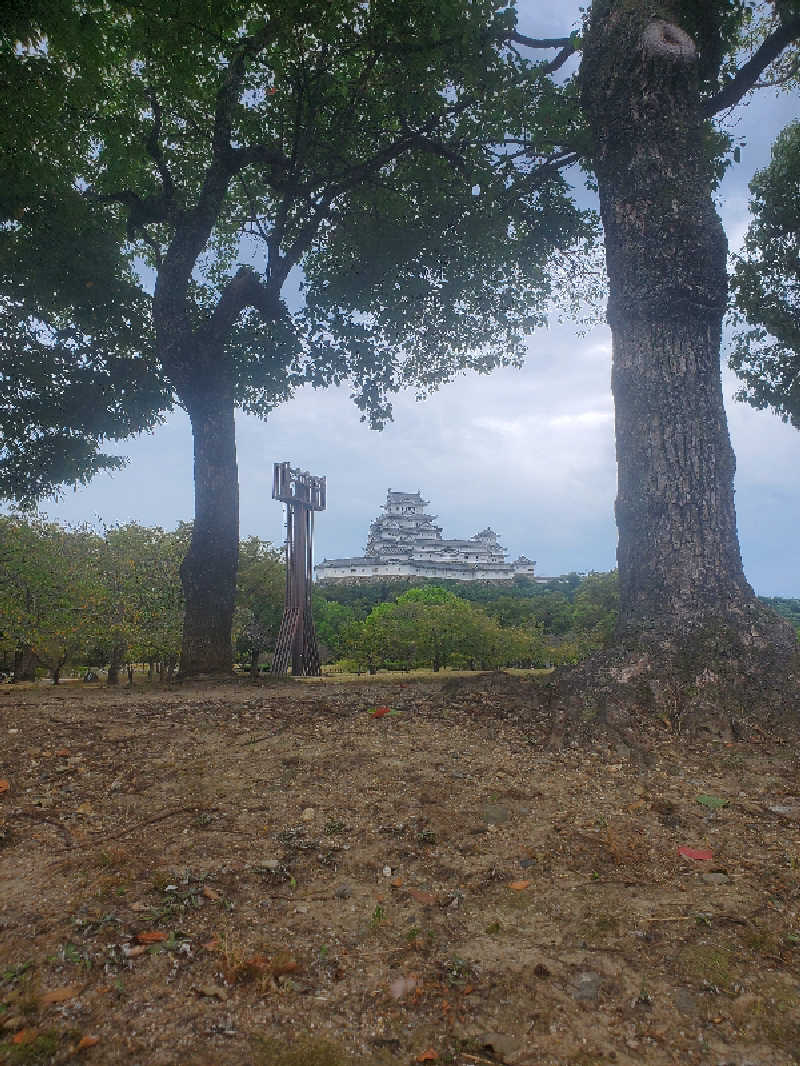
<point>303,494</point>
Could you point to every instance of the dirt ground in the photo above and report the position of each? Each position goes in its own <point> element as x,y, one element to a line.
<point>232,874</point>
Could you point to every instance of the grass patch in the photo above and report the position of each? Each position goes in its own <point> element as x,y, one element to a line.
<point>309,1052</point>
<point>708,963</point>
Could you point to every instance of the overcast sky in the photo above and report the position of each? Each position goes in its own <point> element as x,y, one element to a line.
<point>529,452</point>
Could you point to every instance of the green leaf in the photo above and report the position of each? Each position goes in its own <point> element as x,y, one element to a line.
<point>713,802</point>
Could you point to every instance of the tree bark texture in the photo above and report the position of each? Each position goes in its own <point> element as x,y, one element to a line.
<point>208,572</point>
<point>115,663</point>
<point>696,647</point>
<point>678,552</point>
<point>199,369</point>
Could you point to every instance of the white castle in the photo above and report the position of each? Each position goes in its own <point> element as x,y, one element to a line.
<point>404,542</point>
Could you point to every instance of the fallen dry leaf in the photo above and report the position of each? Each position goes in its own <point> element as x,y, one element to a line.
<point>211,893</point>
<point>519,886</point>
<point>60,995</point>
<point>86,1042</point>
<point>697,854</point>
<point>427,1056</point>
<point>379,712</point>
<point>151,936</point>
<point>212,944</point>
<point>4,785</point>
<point>422,897</point>
<point>283,964</point>
<point>396,882</point>
<point>24,1036</point>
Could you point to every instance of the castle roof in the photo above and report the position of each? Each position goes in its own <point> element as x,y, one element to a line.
<point>405,497</point>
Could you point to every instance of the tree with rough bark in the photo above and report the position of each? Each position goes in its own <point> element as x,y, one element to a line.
<point>692,636</point>
<point>365,144</point>
<point>766,287</point>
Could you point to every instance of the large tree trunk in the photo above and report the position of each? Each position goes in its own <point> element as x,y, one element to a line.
<point>666,251</point>
<point>115,662</point>
<point>208,572</point>
<point>693,636</point>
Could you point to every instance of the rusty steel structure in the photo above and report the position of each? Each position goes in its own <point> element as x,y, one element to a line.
<point>297,644</point>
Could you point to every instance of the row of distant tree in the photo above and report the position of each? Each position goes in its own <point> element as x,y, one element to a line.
<point>76,597</point>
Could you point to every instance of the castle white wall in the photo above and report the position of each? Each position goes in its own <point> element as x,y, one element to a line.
<point>498,572</point>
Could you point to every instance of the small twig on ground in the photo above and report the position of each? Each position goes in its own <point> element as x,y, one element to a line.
<point>36,816</point>
<point>302,899</point>
<point>676,918</point>
<point>267,736</point>
<point>150,821</point>
<point>600,947</point>
<point>162,818</point>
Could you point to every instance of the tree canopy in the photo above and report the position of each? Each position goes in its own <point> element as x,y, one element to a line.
<point>220,146</point>
<point>766,286</point>
<point>431,626</point>
<point>76,356</point>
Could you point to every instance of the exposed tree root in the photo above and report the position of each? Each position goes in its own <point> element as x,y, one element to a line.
<point>723,679</point>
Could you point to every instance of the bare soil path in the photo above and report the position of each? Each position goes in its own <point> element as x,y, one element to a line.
<point>227,874</point>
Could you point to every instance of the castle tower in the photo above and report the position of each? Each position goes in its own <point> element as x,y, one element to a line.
<point>403,528</point>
